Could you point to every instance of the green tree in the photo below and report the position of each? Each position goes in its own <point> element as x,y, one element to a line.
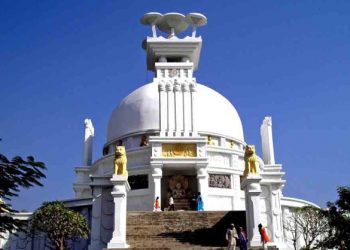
<point>15,174</point>
<point>59,223</point>
<point>338,215</point>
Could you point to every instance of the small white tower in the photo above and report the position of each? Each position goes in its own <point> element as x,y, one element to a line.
<point>81,186</point>
<point>271,187</point>
<point>267,141</point>
<point>89,135</point>
<point>173,60</point>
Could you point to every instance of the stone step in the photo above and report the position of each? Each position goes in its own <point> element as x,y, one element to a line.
<point>180,229</point>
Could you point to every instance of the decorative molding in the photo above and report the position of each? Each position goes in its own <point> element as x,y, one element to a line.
<point>222,160</point>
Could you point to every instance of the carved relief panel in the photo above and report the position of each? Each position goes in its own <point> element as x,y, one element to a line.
<point>179,150</point>
<point>220,180</point>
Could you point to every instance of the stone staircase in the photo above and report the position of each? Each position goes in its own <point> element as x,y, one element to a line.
<point>183,204</point>
<point>180,229</point>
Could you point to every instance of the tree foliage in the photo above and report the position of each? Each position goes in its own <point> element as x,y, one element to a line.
<point>15,174</point>
<point>59,223</point>
<point>291,226</point>
<point>338,215</point>
<point>309,223</point>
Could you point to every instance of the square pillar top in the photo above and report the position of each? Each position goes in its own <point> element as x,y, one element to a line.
<point>120,180</point>
<point>174,50</point>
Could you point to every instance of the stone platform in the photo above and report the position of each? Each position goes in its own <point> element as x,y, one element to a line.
<point>180,229</point>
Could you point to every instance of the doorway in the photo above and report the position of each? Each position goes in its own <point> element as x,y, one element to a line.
<point>183,188</point>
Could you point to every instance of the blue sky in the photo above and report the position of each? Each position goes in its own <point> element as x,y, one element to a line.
<point>64,61</point>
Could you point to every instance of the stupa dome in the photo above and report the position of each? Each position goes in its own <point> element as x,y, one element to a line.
<point>139,112</point>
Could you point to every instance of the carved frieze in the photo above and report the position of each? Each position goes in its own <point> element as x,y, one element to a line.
<point>220,180</point>
<point>179,150</point>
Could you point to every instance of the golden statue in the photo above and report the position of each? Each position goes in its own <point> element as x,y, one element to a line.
<point>144,141</point>
<point>210,140</point>
<point>120,161</point>
<point>251,163</point>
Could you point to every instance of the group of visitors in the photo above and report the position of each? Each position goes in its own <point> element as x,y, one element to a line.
<point>171,207</point>
<point>241,237</point>
<point>233,238</point>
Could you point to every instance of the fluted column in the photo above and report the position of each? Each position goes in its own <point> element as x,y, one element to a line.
<point>162,108</point>
<point>186,108</point>
<point>178,108</point>
<point>193,89</point>
<point>170,109</point>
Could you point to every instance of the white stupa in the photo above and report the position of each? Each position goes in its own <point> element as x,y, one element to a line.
<point>181,138</point>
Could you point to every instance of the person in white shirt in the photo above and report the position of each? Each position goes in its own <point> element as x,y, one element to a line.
<point>231,237</point>
<point>171,203</point>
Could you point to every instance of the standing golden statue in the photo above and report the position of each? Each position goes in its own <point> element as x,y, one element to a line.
<point>251,162</point>
<point>120,161</point>
<point>210,140</point>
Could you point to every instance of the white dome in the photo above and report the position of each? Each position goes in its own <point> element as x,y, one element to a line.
<point>139,112</point>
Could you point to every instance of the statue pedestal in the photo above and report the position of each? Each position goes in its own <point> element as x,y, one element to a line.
<point>252,188</point>
<point>119,193</point>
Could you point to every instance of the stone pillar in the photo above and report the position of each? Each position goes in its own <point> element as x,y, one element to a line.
<point>170,109</point>
<point>251,186</point>
<point>157,177</point>
<point>237,204</point>
<point>267,141</point>
<point>178,109</point>
<point>119,193</point>
<point>193,88</point>
<point>203,186</point>
<point>271,185</point>
<point>96,242</point>
<point>186,108</point>
<point>276,214</point>
<point>162,109</point>
<point>89,135</point>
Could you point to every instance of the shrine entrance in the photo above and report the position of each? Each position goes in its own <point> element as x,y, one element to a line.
<point>183,186</point>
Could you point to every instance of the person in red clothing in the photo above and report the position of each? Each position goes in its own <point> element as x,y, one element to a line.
<point>264,236</point>
<point>157,205</point>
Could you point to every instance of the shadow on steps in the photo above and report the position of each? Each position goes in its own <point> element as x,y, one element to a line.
<point>213,236</point>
